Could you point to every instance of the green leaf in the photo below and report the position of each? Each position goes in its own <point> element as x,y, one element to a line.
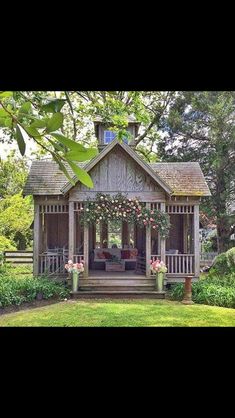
<point>25,108</point>
<point>69,143</point>
<point>2,122</point>
<point>56,146</point>
<point>20,140</point>
<point>63,168</point>
<point>3,113</point>
<point>53,105</point>
<point>85,155</point>
<point>32,131</point>
<point>8,122</point>
<point>82,175</point>
<point>40,123</point>
<point>55,122</point>
<point>4,94</point>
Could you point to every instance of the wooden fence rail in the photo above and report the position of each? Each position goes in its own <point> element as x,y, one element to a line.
<point>18,257</point>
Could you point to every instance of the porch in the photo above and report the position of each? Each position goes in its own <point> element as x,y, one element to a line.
<point>60,236</point>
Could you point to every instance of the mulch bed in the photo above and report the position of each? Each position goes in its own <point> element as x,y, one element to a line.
<point>28,305</point>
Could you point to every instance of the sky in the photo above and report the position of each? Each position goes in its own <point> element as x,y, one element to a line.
<point>5,148</point>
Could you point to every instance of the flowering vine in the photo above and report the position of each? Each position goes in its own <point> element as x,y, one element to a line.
<point>119,207</point>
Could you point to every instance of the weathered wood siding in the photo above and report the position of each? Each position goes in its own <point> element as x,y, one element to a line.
<point>117,173</point>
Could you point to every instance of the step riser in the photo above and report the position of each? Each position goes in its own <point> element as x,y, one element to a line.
<point>102,282</point>
<point>117,288</point>
<point>142,295</point>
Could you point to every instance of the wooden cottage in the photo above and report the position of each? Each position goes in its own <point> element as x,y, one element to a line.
<point>110,249</point>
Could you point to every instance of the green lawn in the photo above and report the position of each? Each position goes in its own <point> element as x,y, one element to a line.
<point>127,313</point>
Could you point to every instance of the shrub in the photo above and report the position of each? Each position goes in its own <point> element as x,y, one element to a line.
<point>6,244</point>
<point>213,290</point>
<point>14,291</point>
<point>225,262</point>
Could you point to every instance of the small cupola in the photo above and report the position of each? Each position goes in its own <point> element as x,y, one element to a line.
<point>105,135</point>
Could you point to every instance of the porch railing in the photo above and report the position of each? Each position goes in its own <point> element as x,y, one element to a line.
<point>180,263</point>
<point>177,263</point>
<point>54,263</point>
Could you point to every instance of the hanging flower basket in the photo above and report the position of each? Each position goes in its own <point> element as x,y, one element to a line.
<point>120,208</point>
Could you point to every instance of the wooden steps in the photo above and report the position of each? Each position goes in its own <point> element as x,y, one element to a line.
<point>132,286</point>
<point>120,294</point>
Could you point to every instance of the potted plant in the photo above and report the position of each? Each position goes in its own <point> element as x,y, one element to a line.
<point>159,268</point>
<point>75,269</point>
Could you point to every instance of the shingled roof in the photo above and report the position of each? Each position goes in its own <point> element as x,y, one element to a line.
<point>185,179</point>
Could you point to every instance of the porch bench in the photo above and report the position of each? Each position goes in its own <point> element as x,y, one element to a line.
<point>105,254</point>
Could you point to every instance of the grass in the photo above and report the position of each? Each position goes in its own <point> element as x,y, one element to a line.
<point>126,313</point>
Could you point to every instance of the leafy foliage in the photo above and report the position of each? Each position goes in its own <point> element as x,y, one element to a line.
<point>200,126</point>
<point>17,290</point>
<point>224,263</point>
<point>16,217</point>
<point>13,174</point>
<point>215,289</point>
<point>6,244</point>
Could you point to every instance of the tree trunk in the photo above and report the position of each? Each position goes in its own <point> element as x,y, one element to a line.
<point>223,224</point>
<point>223,234</point>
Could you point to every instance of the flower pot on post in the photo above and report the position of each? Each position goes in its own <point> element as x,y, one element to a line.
<point>74,270</point>
<point>160,281</point>
<point>75,278</point>
<point>159,268</point>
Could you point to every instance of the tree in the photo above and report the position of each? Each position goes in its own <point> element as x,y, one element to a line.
<point>61,122</point>
<point>13,174</point>
<point>16,217</point>
<point>200,127</point>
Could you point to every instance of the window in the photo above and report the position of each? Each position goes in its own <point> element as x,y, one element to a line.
<point>109,136</point>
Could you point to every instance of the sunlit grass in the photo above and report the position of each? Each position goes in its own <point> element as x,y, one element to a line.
<point>126,313</point>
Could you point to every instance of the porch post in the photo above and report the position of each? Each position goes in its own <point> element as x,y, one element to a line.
<point>148,246</point>
<point>36,239</point>
<point>196,240</point>
<point>163,240</point>
<point>86,250</point>
<point>71,230</point>
<point>185,233</point>
<point>125,234</point>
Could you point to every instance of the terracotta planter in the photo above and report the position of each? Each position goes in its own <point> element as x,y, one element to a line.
<point>160,281</point>
<point>75,280</point>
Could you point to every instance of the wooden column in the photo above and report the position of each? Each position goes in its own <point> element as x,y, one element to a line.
<point>36,239</point>
<point>148,246</point>
<point>103,234</point>
<point>163,240</point>
<point>185,233</point>
<point>86,250</point>
<point>71,230</point>
<point>196,240</point>
<point>125,234</point>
